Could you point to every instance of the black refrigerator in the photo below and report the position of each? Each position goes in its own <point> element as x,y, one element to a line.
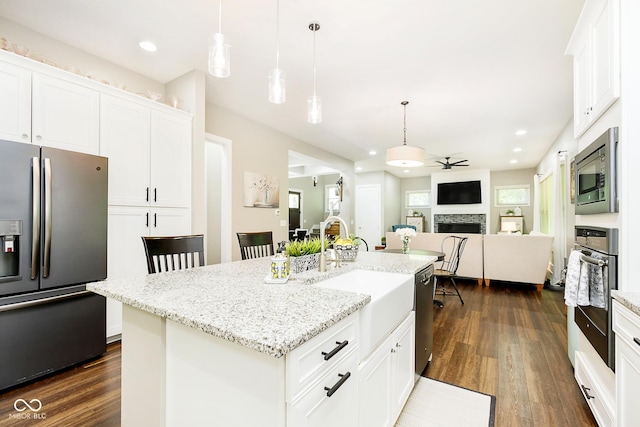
<point>53,240</point>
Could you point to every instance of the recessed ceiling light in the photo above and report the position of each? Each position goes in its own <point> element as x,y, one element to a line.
<point>513,161</point>
<point>147,45</point>
<point>406,171</point>
<point>521,132</point>
<point>359,168</point>
<point>373,152</point>
<point>517,150</point>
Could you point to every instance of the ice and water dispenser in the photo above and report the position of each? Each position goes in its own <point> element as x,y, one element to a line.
<point>10,234</point>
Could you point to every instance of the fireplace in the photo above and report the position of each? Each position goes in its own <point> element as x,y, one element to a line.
<point>460,227</point>
<point>460,223</point>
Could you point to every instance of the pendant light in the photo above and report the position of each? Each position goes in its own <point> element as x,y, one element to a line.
<point>219,51</point>
<point>277,83</point>
<point>314,103</point>
<point>403,155</point>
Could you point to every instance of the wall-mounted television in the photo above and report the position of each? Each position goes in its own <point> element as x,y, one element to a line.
<point>459,193</point>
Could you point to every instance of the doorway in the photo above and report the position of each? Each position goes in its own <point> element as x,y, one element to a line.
<point>218,195</point>
<point>369,213</point>
<point>295,209</point>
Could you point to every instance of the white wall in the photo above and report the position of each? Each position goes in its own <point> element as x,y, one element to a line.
<point>483,175</point>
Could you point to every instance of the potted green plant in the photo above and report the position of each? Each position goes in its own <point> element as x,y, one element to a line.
<point>304,254</point>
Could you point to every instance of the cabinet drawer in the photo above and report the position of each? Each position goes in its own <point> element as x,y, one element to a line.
<point>313,358</point>
<point>626,325</point>
<point>602,409</point>
<point>315,408</point>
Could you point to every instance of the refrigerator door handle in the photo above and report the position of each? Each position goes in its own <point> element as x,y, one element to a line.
<point>47,218</point>
<point>35,217</point>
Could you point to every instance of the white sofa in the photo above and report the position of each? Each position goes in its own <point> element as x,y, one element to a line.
<point>517,258</point>
<point>471,261</point>
<point>507,257</point>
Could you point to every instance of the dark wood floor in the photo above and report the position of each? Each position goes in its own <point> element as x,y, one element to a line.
<point>508,341</point>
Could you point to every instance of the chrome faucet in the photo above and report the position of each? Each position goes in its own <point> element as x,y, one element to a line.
<point>322,265</point>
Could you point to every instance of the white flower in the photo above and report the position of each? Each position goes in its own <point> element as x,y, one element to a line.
<point>406,233</point>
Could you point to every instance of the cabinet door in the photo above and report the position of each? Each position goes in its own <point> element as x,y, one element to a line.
<point>315,409</point>
<point>581,91</point>
<point>605,71</point>
<point>15,103</point>
<point>126,227</point>
<point>375,391</point>
<point>169,222</point>
<point>65,115</point>
<point>170,160</point>
<point>404,364</point>
<point>125,140</point>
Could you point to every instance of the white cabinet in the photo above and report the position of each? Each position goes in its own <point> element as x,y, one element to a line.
<point>47,110</point>
<point>65,115</point>
<point>387,377</point>
<point>594,391</point>
<point>322,378</point>
<point>149,154</point>
<point>595,46</point>
<point>626,325</point>
<point>15,103</point>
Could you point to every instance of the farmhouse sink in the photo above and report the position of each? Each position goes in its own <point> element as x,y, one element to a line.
<point>391,301</point>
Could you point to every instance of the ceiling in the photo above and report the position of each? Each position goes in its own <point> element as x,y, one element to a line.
<point>473,72</point>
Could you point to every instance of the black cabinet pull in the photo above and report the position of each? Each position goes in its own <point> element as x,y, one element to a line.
<point>147,197</point>
<point>586,391</point>
<point>147,222</point>
<point>155,194</point>
<point>335,351</point>
<point>343,378</point>
<point>155,220</point>
<point>636,340</point>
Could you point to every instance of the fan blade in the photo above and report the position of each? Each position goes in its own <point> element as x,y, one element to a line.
<point>459,161</point>
<point>443,164</point>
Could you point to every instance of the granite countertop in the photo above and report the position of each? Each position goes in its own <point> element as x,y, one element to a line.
<point>231,300</point>
<point>631,300</point>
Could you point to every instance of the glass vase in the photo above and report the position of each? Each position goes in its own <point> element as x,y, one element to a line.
<point>405,246</point>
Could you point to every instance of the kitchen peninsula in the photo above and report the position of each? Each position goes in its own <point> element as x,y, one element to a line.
<point>216,345</point>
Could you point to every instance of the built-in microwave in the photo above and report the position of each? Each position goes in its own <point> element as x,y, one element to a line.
<point>595,175</point>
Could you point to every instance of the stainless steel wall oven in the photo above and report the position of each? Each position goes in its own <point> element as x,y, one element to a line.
<point>599,249</point>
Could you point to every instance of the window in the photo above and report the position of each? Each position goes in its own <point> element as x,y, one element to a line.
<point>512,195</point>
<point>331,198</point>
<point>417,199</point>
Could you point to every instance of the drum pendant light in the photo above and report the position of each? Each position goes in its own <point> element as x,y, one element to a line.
<point>219,51</point>
<point>403,155</point>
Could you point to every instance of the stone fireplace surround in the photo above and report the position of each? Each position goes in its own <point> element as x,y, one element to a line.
<point>460,219</point>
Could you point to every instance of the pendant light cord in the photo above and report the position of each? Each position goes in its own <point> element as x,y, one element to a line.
<point>315,28</point>
<point>220,17</point>
<point>278,34</point>
<point>405,121</point>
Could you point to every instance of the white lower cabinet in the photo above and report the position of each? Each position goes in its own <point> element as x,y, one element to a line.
<point>387,376</point>
<point>626,325</point>
<point>331,401</point>
<point>596,396</point>
<point>126,257</point>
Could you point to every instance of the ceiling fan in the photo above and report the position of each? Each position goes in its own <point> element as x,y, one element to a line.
<point>446,165</point>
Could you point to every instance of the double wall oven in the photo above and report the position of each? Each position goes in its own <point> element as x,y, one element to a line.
<point>598,249</point>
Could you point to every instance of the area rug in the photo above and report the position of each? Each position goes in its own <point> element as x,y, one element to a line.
<point>436,403</point>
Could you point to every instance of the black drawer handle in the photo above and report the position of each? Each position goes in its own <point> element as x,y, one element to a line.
<point>337,385</point>
<point>586,391</point>
<point>636,340</point>
<point>335,351</point>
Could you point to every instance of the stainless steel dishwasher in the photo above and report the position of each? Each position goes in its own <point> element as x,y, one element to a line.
<point>423,306</point>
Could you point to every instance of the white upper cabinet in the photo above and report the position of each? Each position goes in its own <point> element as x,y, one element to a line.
<point>170,160</point>
<point>149,154</point>
<point>65,115</point>
<point>595,47</point>
<point>15,103</point>
<point>125,140</point>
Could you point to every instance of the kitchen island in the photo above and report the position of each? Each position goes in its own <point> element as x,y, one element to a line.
<point>220,330</point>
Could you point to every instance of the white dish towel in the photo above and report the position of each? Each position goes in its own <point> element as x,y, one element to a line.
<point>576,291</point>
